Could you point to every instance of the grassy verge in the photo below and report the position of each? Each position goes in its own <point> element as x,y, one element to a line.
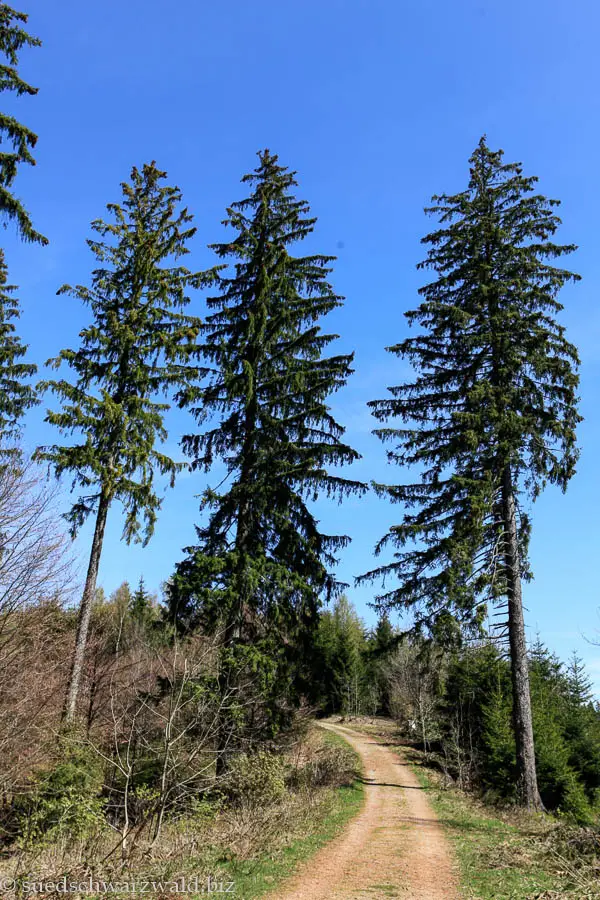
<point>258,877</point>
<point>499,859</point>
<point>283,815</point>
<point>505,854</point>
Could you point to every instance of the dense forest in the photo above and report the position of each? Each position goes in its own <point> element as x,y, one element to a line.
<point>122,716</point>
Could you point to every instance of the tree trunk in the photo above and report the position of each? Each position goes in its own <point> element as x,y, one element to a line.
<point>238,615</point>
<point>522,720</point>
<point>228,676</point>
<point>85,611</point>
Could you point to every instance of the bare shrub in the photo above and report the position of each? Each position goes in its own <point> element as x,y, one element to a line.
<point>158,734</point>
<point>413,691</point>
<point>329,765</point>
<point>36,580</point>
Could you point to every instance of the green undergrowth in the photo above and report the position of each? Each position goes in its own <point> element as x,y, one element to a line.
<point>497,858</point>
<point>281,809</point>
<point>260,877</point>
<point>504,853</point>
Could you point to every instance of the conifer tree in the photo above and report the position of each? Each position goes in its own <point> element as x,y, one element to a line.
<point>16,396</point>
<point>383,638</point>
<point>490,418</point>
<point>348,662</point>
<point>21,140</point>
<point>261,565</point>
<point>579,683</point>
<point>140,606</point>
<point>140,344</point>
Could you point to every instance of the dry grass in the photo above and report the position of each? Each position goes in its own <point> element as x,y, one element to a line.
<point>251,841</point>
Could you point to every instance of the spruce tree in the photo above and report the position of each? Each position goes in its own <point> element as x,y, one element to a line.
<point>382,643</point>
<point>582,727</point>
<point>140,606</point>
<point>20,139</point>
<point>16,396</point>
<point>141,344</point>
<point>490,418</point>
<point>262,566</point>
<point>350,653</point>
<point>580,685</point>
<point>383,638</point>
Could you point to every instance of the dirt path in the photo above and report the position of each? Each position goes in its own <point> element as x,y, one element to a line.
<point>394,848</point>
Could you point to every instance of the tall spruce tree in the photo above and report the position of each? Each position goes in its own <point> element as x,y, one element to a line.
<point>490,418</point>
<point>141,344</point>
<point>16,395</point>
<point>262,566</point>
<point>21,140</point>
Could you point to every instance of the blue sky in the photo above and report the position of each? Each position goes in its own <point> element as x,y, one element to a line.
<point>377,105</point>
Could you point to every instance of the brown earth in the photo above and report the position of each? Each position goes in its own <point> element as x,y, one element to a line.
<point>394,848</point>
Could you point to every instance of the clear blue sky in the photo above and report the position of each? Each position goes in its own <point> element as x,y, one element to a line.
<point>377,105</point>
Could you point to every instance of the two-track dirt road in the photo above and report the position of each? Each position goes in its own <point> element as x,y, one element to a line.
<point>394,848</point>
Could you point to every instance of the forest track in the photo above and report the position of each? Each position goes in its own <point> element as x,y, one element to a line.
<point>394,848</point>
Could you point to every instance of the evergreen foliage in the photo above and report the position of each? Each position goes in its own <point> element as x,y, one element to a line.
<point>489,419</point>
<point>16,395</point>
<point>381,644</point>
<point>140,605</point>
<point>340,675</point>
<point>21,140</point>
<point>141,344</point>
<point>496,387</point>
<point>384,637</point>
<point>258,624</point>
<point>350,664</point>
<point>261,565</point>
<point>479,747</point>
<point>580,684</point>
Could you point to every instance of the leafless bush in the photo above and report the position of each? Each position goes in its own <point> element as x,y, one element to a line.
<point>159,742</point>
<point>412,689</point>
<point>327,766</point>
<point>36,579</point>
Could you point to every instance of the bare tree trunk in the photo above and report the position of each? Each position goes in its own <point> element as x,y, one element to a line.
<point>522,720</point>
<point>85,611</point>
